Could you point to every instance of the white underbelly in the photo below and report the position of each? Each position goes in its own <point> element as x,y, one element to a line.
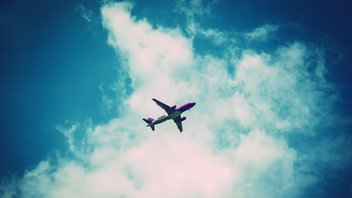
<point>175,114</point>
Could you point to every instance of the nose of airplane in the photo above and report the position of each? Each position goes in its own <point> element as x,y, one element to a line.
<point>193,103</point>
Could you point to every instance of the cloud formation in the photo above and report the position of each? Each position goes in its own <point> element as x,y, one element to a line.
<point>262,33</point>
<point>235,141</point>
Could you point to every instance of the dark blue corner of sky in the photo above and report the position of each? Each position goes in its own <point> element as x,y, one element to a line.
<point>52,61</point>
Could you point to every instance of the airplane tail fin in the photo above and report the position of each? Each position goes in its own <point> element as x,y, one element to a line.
<point>149,121</point>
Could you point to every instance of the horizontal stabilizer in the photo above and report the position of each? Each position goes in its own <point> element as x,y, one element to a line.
<point>149,121</point>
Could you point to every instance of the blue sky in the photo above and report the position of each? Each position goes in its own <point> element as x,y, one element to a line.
<point>77,77</point>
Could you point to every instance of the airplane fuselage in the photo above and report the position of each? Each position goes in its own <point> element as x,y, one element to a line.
<point>165,117</point>
<point>178,111</point>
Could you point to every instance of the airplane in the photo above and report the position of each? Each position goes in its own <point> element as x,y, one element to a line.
<point>172,113</point>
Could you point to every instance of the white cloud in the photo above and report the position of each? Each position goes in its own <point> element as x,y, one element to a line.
<point>268,94</point>
<point>262,33</point>
<point>151,54</point>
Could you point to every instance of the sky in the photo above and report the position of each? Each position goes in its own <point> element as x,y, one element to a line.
<point>271,80</point>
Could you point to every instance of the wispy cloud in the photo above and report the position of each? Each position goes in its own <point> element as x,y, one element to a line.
<point>86,14</point>
<point>193,10</point>
<point>235,141</point>
<point>262,33</point>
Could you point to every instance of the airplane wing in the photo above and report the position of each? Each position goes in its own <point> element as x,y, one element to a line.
<point>178,122</point>
<point>166,107</point>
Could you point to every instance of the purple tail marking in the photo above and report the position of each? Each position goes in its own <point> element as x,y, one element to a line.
<point>149,120</point>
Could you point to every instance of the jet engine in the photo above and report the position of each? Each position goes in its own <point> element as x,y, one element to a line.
<point>183,118</point>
